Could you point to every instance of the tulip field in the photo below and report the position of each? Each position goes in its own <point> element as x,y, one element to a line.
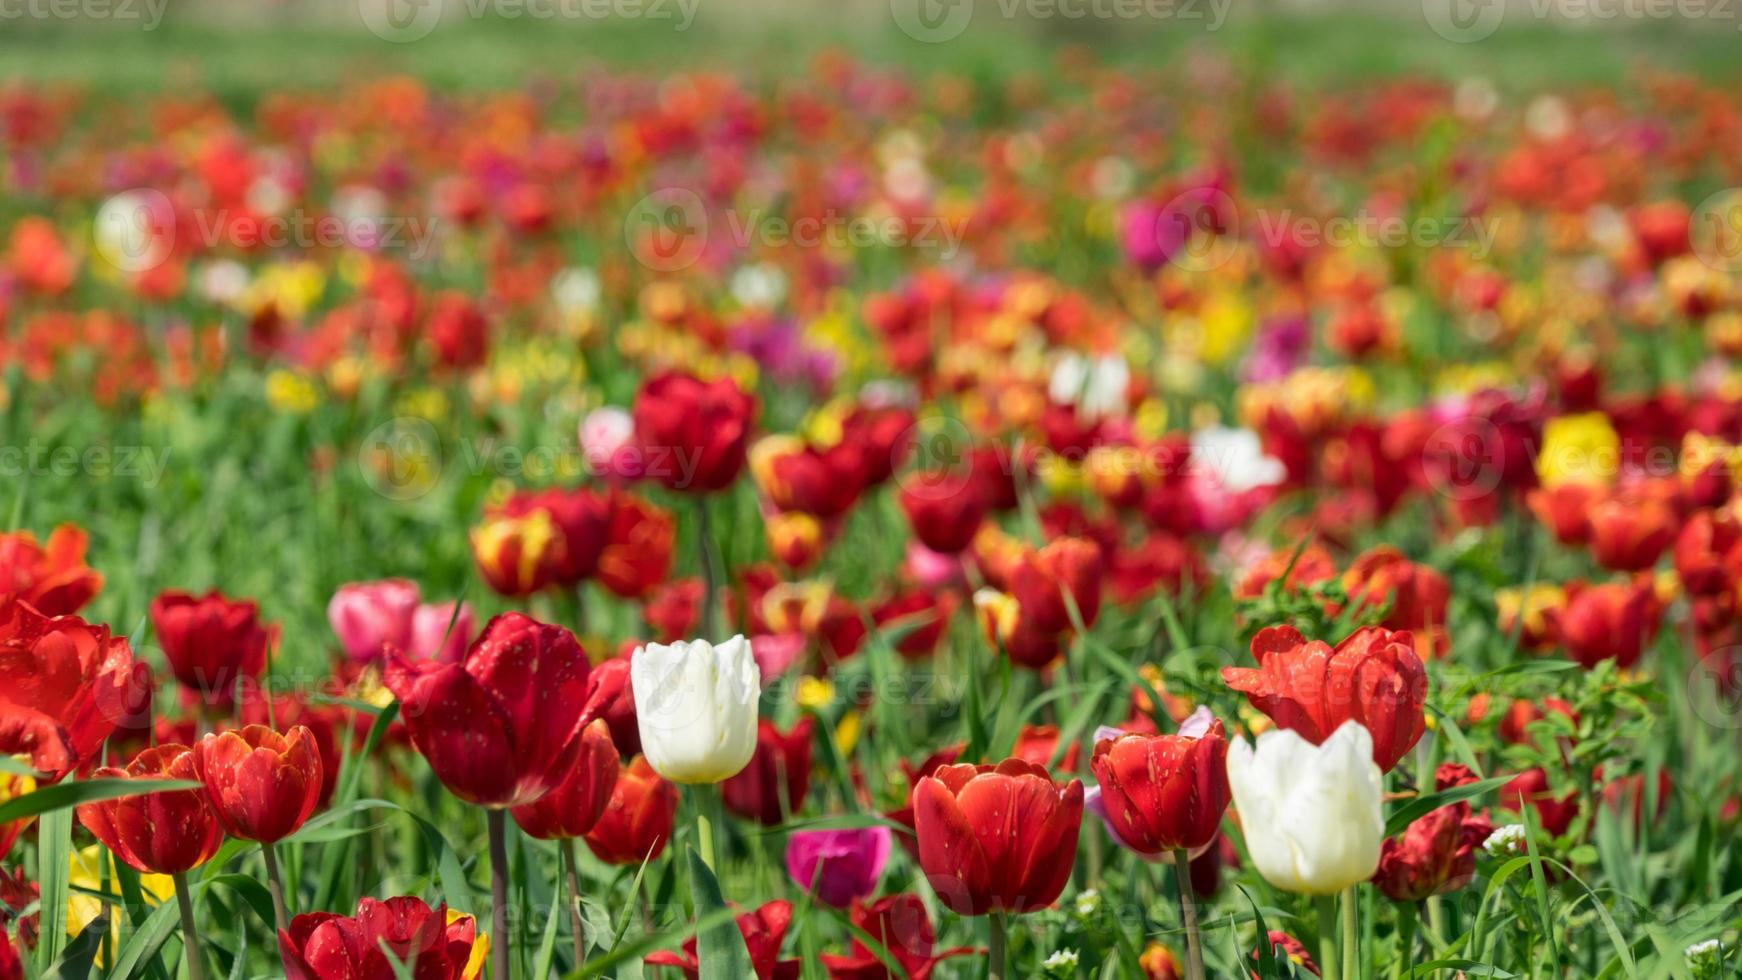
<point>929,499</point>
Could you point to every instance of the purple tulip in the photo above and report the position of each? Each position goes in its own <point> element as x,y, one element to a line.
<point>842,864</point>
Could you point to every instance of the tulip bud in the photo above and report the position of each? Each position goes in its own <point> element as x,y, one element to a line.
<point>382,939</point>
<point>1164,792</point>
<point>693,434</point>
<point>999,838</point>
<point>1312,815</point>
<point>211,641</point>
<point>262,785</point>
<point>696,705</point>
<point>839,866</point>
<point>167,832</point>
<point>637,820</point>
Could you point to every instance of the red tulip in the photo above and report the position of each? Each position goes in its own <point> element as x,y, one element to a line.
<point>797,476</point>
<point>945,515</point>
<point>573,808</point>
<point>919,616</point>
<point>674,609</point>
<point>516,556</point>
<point>1043,579</point>
<point>1611,621</point>
<point>211,641</point>
<point>1565,510</point>
<point>996,838</point>
<point>884,436</point>
<point>16,893</point>
<point>637,819</point>
<point>458,330</point>
<point>71,671</point>
<point>1708,553</point>
<point>1417,595</point>
<point>772,787</point>
<point>327,722</point>
<point>52,577</point>
<point>366,946</point>
<point>637,552</point>
<point>1164,792</point>
<point>502,727</point>
<point>903,814</point>
<point>1553,814</point>
<point>1161,561</point>
<point>34,737</point>
<point>1437,853</point>
<point>262,785</point>
<point>901,926</point>
<point>693,433</point>
<point>1284,946</point>
<point>611,698</point>
<point>763,929</point>
<point>1373,677</point>
<point>165,833</point>
<point>580,519</point>
<point>11,968</point>
<point>1628,535</point>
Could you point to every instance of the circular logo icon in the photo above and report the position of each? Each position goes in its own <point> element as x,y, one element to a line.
<point>1715,230</point>
<point>940,449</point>
<point>1465,459</point>
<point>1198,229</point>
<point>667,230</point>
<point>135,230</point>
<point>400,21</point>
<point>401,459</point>
<point>932,21</point>
<point>1464,21</point>
<point>1715,688</point>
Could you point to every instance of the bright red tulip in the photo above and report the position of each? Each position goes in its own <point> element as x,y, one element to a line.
<point>11,967</point>
<point>1628,535</point>
<point>1066,566</point>
<point>165,833</point>
<point>885,438</point>
<point>1416,593</point>
<point>945,516</point>
<point>35,738</point>
<point>1437,853</point>
<point>1373,677</point>
<point>211,641</point>
<point>611,698</point>
<point>580,518</point>
<point>329,946</point>
<point>693,433</point>
<point>637,819</point>
<point>772,787</point>
<point>764,930</point>
<point>1610,621</point>
<point>900,924</point>
<point>458,330</point>
<point>1553,814</point>
<point>52,576</point>
<point>327,722</point>
<point>637,552</point>
<point>71,671</point>
<point>1708,553</point>
<point>262,785</point>
<point>576,804</point>
<point>996,838</point>
<point>1566,510</point>
<point>1164,792</point>
<point>502,727</point>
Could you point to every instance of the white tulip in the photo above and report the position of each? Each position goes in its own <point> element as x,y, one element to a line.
<point>1311,813</point>
<point>696,706</point>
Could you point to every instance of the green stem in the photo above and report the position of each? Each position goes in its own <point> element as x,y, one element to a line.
<point>1407,914</point>
<point>190,936</point>
<point>275,885</point>
<point>1351,929</point>
<point>1329,964</point>
<point>1188,906</point>
<point>996,947</point>
<point>572,881</point>
<point>496,820</point>
<point>705,827</point>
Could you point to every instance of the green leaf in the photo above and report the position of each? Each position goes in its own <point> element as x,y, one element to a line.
<point>54,841</point>
<point>719,948</point>
<point>252,892</point>
<point>547,945</point>
<point>81,953</point>
<point>1421,806</point>
<point>64,795</point>
<point>669,939</point>
<point>145,941</point>
<point>1469,968</point>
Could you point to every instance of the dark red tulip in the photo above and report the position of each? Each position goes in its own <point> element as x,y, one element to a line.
<point>262,785</point>
<point>638,543</point>
<point>35,738</point>
<point>764,930</point>
<point>944,515</point>
<point>1417,596</point>
<point>1610,621</point>
<point>1373,677</point>
<point>164,833</point>
<point>903,814</point>
<point>674,609</point>
<point>575,805</point>
<point>797,476</point>
<point>611,698</point>
<point>51,576</point>
<point>1164,792</point>
<point>1553,814</point>
<point>1628,535</point>
<point>1437,852</point>
<point>885,438</point>
<point>772,787</point>
<point>329,946</point>
<point>917,619</point>
<point>1043,579</point>
<point>71,671</point>
<point>502,727</point>
<point>212,642</point>
<point>11,967</point>
<point>693,433</point>
<point>1285,947</point>
<point>996,838</point>
<point>580,520</point>
<point>1566,510</point>
<point>458,331</point>
<point>1708,553</point>
<point>637,820</point>
<point>901,926</point>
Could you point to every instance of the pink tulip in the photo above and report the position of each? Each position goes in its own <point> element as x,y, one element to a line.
<point>368,617</point>
<point>430,639</point>
<point>840,865</point>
